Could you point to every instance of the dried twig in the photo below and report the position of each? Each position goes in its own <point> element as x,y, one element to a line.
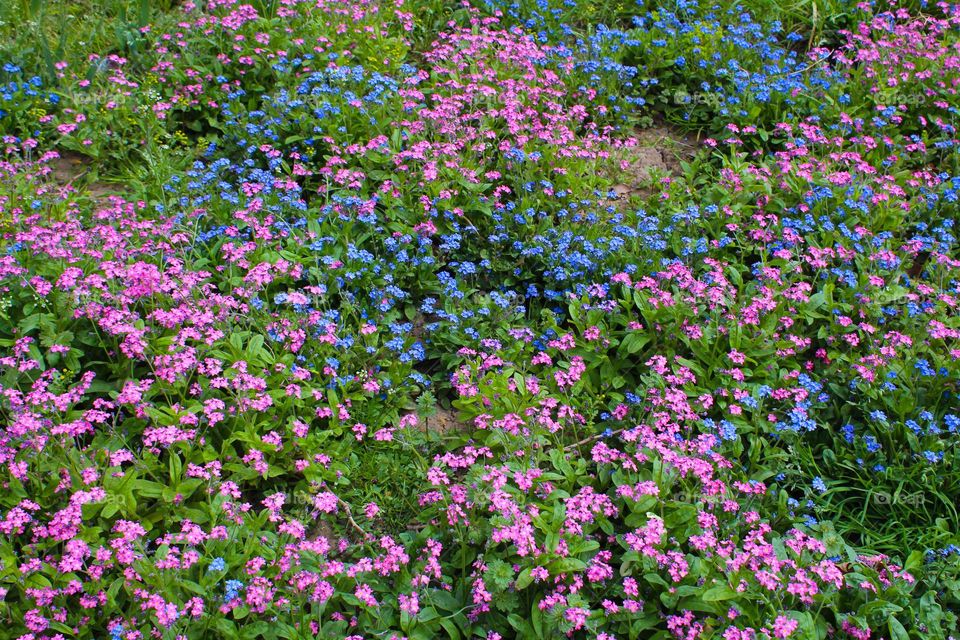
<point>590,439</point>
<point>349,514</point>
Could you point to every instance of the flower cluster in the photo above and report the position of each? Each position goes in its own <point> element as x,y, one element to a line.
<point>381,344</point>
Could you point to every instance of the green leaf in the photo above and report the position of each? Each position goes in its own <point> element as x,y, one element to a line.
<point>536,618</point>
<point>523,628</point>
<point>62,628</point>
<point>566,565</point>
<point>148,488</point>
<point>524,579</point>
<point>176,467</point>
<point>227,628</point>
<point>718,593</point>
<point>110,510</point>
<point>427,614</point>
<point>897,632</point>
<point>914,563</point>
<point>445,601</point>
<point>634,342</point>
<point>451,628</point>
<point>258,629</point>
<point>114,589</point>
<point>931,614</point>
<point>255,346</point>
<point>655,579</point>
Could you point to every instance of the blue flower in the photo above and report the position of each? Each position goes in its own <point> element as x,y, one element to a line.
<point>872,445</point>
<point>923,366</point>
<point>232,589</point>
<point>727,430</point>
<point>848,432</point>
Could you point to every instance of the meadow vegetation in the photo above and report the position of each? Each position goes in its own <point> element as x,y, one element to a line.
<point>427,319</point>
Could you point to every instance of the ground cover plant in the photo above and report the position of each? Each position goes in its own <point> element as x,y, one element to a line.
<point>429,319</point>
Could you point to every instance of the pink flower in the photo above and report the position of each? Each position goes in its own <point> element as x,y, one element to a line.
<point>409,603</point>
<point>364,594</point>
<point>783,627</point>
<point>325,502</point>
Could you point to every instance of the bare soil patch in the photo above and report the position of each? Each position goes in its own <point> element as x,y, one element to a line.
<point>444,421</point>
<point>71,168</point>
<point>658,152</point>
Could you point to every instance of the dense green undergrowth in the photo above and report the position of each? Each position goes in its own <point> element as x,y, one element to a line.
<point>424,319</point>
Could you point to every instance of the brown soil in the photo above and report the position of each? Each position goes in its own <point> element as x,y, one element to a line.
<point>659,152</point>
<point>444,421</point>
<point>71,168</point>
